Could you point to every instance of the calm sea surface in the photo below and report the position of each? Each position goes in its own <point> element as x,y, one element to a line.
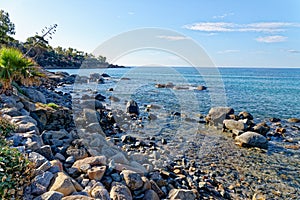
<point>264,92</point>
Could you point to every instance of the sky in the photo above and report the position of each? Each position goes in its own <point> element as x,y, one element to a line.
<point>232,33</point>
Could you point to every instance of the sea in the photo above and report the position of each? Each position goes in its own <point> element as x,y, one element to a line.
<point>263,92</point>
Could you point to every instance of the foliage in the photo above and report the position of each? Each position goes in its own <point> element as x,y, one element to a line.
<point>6,127</point>
<point>15,172</point>
<point>6,28</point>
<point>15,67</point>
<point>53,105</point>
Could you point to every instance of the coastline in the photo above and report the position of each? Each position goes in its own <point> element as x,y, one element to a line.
<point>198,166</point>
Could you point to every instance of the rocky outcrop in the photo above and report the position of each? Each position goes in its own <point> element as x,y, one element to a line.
<point>217,115</point>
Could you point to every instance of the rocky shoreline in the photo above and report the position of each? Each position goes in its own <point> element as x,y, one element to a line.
<point>80,152</point>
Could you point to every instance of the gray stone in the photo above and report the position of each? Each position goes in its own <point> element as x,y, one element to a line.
<point>181,194</point>
<point>23,120</point>
<point>133,180</point>
<point>151,195</point>
<point>44,179</point>
<point>261,128</point>
<point>217,115</point>
<point>51,195</point>
<point>231,124</point>
<point>37,158</point>
<point>90,115</point>
<point>92,104</point>
<point>11,111</point>
<point>46,151</point>
<point>252,139</point>
<point>35,95</point>
<point>37,189</point>
<point>100,192</point>
<point>245,115</point>
<point>120,191</point>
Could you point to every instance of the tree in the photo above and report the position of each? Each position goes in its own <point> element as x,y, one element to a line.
<point>6,28</point>
<point>15,67</point>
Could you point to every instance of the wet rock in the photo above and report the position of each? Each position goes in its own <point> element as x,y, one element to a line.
<point>252,139</point>
<point>92,104</point>
<point>181,194</point>
<point>261,128</point>
<point>51,195</point>
<point>120,191</point>
<point>96,160</point>
<point>64,184</point>
<point>96,173</point>
<point>132,107</point>
<point>293,120</point>
<point>245,115</point>
<point>201,87</point>
<point>133,180</point>
<point>274,120</point>
<point>217,115</point>
<point>231,124</point>
<point>100,97</point>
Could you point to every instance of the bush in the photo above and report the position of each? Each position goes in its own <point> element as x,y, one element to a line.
<point>6,127</point>
<point>15,172</point>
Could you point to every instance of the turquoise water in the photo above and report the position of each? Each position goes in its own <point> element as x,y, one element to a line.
<point>264,92</point>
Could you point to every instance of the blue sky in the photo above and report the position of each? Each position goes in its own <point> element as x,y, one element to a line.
<point>233,33</point>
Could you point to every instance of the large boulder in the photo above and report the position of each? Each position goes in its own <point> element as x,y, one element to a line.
<point>261,128</point>
<point>217,115</point>
<point>35,95</point>
<point>252,139</point>
<point>132,107</point>
<point>231,124</point>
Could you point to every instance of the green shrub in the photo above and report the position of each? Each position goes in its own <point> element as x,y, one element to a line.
<point>15,172</point>
<point>6,127</point>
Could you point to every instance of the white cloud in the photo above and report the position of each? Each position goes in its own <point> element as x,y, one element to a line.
<point>293,51</point>
<point>172,38</point>
<point>271,39</point>
<point>131,13</point>
<point>229,51</point>
<point>265,27</point>
<point>223,16</point>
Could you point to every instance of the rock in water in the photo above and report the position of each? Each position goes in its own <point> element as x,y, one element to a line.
<point>252,139</point>
<point>132,107</point>
<point>217,115</point>
<point>294,120</point>
<point>231,124</point>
